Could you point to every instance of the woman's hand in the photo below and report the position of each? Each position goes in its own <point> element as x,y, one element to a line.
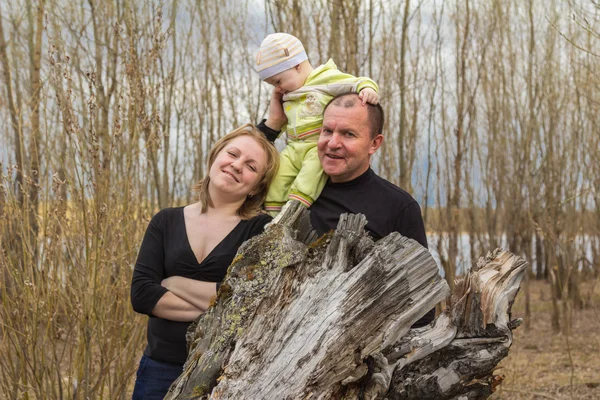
<point>276,118</point>
<point>198,293</point>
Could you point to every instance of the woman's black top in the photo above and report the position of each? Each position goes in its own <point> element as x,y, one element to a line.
<point>166,252</point>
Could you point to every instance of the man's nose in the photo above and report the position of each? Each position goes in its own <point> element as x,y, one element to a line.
<point>334,141</point>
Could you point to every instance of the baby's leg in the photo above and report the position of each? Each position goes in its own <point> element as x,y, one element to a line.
<point>311,179</point>
<point>278,193</point>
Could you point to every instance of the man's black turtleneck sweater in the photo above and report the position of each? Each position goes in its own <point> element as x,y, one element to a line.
<point>387,207</point>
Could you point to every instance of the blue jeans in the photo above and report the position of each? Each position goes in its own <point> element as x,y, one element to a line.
<point>154,378</point>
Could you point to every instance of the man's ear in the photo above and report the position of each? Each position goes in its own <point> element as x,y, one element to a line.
<point>375,144</point>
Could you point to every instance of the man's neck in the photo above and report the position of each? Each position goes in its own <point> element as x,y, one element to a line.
<point>353,179</point>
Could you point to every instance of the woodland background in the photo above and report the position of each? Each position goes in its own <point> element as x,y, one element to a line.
<point>108,108</point>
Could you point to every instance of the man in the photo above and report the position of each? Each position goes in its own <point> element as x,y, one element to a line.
<point>351,134</point>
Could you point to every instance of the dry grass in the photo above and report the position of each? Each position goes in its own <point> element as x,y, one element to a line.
<point>67,329</point>
<point>539,364</point>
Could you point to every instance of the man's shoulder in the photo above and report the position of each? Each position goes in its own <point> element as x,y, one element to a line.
<point>394,192</point>
<point>403,212</point>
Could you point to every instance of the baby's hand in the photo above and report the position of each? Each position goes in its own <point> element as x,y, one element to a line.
<point>368,95</point>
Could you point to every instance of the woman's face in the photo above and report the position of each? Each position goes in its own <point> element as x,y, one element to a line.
<point>238,167</point>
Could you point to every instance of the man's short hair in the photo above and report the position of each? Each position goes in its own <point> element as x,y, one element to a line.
<point>375,113</point>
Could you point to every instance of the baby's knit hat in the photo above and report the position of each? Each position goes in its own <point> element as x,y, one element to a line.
<point>277,53</point>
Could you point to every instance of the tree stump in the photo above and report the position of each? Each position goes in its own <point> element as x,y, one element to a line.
<point>301,317</point>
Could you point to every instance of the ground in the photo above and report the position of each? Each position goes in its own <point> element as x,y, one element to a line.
<point>546,365</point>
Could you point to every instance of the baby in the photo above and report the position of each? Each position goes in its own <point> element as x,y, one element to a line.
<point>282,62</point>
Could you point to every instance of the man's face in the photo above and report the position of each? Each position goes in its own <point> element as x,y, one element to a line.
<point>345,145</point>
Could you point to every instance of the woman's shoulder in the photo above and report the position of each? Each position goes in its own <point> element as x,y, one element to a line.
<point>170,211</point>
<point>167,214</point>
<point>260,219</point>
<point>258,222</point>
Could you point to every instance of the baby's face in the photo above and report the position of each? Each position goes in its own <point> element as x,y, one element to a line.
<point>287,81</point>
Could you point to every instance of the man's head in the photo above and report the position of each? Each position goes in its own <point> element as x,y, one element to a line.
<point>350,135</point>
<point>282,62</point>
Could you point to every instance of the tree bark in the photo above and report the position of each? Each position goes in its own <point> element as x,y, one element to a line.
<point>299,317</point>
<point>35,141</point>
<point>14,113</point>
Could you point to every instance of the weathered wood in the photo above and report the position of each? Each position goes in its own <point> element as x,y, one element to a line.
<point>480,317</point>
<point>330,318</point>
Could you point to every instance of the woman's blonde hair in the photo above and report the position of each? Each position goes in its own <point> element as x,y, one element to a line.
<point>252,206</point>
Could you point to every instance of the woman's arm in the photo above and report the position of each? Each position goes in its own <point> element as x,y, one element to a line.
<point>174,308</point>
<point>149,268</point>
<point>148,296</point>
<point>197,293</point>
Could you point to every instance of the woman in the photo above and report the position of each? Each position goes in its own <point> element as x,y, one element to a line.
<point>186,251</point>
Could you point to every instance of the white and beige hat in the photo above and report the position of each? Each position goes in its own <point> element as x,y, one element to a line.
<point>277,53</point>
